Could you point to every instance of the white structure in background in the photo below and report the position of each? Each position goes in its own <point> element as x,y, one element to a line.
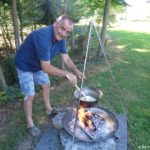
<point>138,9</point>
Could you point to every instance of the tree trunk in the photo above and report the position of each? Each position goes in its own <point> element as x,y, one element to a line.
<point>15,23</point>
<point>4,38</point>
<point>3,86</point>
<point>6,30</point>
<point>8,36</point>
<point>21,32</point>
<point>105,21</point>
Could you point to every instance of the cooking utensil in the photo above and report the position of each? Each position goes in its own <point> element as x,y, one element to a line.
<point>80,91</point>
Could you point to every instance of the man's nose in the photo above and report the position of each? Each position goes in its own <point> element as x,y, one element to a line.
<point>64,33</point>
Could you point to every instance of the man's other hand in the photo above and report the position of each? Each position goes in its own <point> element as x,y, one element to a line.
<point>72,78</point>
<point>80,75</point>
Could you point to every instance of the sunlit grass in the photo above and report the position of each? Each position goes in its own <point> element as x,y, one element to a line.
<point>141,50</point>
<point>134,26</point>
<point>133,78</point>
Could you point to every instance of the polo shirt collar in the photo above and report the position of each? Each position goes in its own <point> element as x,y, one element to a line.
<point>53,35</point>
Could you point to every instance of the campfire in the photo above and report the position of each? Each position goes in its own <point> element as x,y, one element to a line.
<point>93,124</point>
<point>85,119</point>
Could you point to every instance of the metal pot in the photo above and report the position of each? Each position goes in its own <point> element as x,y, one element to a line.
<point>91,92</point>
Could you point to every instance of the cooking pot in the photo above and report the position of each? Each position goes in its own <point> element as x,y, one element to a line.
<point>93,96</point>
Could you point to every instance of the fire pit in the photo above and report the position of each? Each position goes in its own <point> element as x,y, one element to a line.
<point>57,138</point>
<point>95,124</point>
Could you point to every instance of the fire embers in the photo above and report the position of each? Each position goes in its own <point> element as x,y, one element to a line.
<point>85,119</point>
<point>95,123</point>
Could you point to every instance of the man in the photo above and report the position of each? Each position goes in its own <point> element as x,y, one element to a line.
<point>33,62</point>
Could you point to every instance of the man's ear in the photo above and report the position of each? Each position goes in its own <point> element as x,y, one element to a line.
<point>55,24</point>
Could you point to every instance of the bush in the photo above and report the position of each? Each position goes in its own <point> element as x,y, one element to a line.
<point>9,70</point>
<point>13,94</point>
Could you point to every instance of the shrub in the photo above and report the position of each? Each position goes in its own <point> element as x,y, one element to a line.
<point>9,70</point>
<point>13,94</point>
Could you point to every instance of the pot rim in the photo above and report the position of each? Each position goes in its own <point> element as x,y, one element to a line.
<point>89,91</point>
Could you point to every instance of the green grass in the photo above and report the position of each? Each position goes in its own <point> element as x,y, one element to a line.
<point>132,73</point>
<point>130,52</point>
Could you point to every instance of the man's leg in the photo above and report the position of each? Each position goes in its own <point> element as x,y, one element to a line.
<point>42,78</point>
<point>28,110</point>
<point>27,87</point>
<point>46,97</point>
<point>33,130</point>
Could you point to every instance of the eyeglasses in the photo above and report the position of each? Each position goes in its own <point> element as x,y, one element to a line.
<point>64,30</point>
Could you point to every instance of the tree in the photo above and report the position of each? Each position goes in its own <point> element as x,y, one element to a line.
<point>105,21</point>
<point>15,23</point>
<point>5,23</point>
<point>3,86</point>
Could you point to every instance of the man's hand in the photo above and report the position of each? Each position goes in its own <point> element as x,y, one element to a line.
<point>80,75</point>
<point>72,78</point>
<point>69,63</point>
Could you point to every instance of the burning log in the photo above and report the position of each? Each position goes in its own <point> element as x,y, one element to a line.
<point>93,123</point>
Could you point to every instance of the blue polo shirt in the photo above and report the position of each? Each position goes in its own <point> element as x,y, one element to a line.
<point>38,46</point>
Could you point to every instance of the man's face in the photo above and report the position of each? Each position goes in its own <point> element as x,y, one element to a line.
<point>61,31</point>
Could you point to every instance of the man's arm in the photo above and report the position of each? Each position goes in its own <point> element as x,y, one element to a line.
<point>52,70</point>
<point>70,64</point>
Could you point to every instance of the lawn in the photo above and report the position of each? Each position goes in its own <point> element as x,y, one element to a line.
<point>132,72</point>
<point>129,57</point>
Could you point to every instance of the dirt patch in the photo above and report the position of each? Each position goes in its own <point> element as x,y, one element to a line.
<point>3,125</point>
<point>26,144</point>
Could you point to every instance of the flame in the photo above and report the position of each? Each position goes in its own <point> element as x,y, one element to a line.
<point>81,117</point>
<point>90,125</point>
<point>85,118</point>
